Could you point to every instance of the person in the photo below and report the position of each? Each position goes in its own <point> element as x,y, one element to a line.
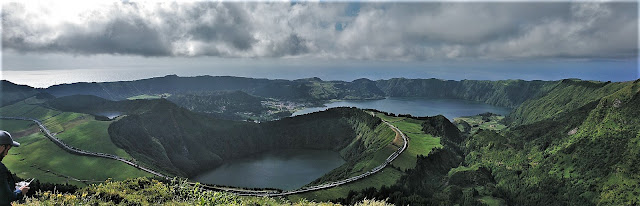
<point>7,183</point>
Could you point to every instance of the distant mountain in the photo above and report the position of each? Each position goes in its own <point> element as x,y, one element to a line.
<point>95,105</point>
<point>507,93</point>
<point>12,93</point>
<point>221,104</point>
<point>172,84</point>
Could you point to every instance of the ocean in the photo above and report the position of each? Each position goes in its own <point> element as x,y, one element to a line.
<point>48,73</point>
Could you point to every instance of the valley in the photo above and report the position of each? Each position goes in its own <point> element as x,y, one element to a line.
<point>544,143</point>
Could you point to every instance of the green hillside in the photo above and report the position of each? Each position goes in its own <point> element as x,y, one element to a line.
<point>565,97</point>
<point>12,93</point>
<point>39,158</point>
<point>423,143</point>
<point>583,157</point>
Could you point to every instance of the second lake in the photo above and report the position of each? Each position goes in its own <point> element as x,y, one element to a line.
<point>416,106</point>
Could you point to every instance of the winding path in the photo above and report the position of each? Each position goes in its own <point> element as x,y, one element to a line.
<point>241,192</point>
<point>77,151</point>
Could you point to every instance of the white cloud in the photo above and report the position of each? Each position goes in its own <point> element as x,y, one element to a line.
<point>393,31</point>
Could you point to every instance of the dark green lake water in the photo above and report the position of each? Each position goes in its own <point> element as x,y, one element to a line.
<point>292,169</point>
<point>417,106</point>
<point>287,169</point>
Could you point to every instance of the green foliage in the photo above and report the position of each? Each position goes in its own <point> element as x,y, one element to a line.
<point>565,97</point>
<point>585,156</point>
<point>144,191</point>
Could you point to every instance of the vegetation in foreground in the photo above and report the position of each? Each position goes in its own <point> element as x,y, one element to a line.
<point>145,191</point>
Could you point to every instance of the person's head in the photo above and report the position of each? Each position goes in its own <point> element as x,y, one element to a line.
<point>6,142</point>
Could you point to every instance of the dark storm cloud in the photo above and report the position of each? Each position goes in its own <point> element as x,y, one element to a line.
<point>396,31</point>
<point>118,36</point>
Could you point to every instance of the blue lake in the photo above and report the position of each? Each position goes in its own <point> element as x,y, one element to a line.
<point>286,169</point>
<point>417,106</point>
<point>292,169</point>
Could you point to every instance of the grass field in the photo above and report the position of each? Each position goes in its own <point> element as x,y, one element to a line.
<point>78,130</point>
<point>38,157</point>
<point>22,109</point>
<point>92,136</point>
<point>15,125</point>
<point>419,142</point>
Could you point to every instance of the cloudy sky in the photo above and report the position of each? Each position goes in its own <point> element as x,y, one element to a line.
<point>366,39</point>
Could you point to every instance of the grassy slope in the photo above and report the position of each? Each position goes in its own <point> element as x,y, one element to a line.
<point>37,155</point>
<point>78,130</point>
<point>382,149</point>
<point>419,144</point>
<point>92,136</point>
<point>546,163</point>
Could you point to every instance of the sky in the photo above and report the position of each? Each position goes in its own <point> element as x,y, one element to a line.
<point>331,40</point>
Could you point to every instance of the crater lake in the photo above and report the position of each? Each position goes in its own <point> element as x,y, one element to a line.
<point>416,106</point>
<point>286,169</point>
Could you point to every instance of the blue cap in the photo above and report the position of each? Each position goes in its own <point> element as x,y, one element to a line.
<point>5,139</point>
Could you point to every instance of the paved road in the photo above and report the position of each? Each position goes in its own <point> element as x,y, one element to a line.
<point>242,192</point>
<point>77,151</point>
